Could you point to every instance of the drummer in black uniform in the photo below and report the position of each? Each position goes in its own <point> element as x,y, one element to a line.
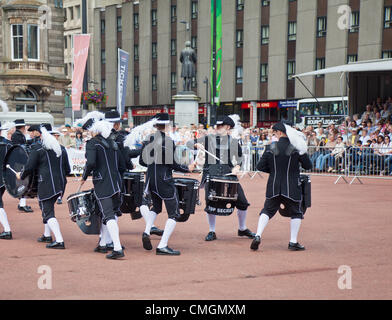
<point>5,145</point>
<point>19,138</point>
<point>106,167</point>
<point>51,163</point>
<point>158,155</point>
<point>282,161</point>
<point>225,148</point>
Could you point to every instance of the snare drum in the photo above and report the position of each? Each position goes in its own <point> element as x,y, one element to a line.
<point>83,209</point>
<point>188,196</point>
<point>221,195</point>
<point>133,196</point>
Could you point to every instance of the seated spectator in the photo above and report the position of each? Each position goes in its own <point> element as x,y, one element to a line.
<point>368,113</point>
<point>336,155</point>
<point>377,118</point>
<point>364,136</point>
<point>385,113</point>
<point>387,153</point>
<point>353,138</point>
<point>356,119</point>
<point>323,158</point>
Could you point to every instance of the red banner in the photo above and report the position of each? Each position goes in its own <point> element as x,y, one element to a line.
<point>264,105</point>
<point>81,46</point>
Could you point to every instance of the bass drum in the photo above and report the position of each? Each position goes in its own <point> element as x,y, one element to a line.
<point>17,157</point>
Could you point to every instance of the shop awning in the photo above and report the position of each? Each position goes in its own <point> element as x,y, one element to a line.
<point>362,66</point>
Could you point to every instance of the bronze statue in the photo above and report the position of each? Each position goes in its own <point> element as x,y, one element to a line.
<point>188,71</point>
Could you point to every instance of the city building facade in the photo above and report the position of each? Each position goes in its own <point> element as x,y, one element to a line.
<point>32,75</point>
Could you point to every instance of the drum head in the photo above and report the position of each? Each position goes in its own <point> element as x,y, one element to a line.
<point>16,158</point>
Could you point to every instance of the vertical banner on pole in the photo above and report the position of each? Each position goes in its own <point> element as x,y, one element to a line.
<point>81,46</point>
<point>218,42</point>
<point>122,79</point>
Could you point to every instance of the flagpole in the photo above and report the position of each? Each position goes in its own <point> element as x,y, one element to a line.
<point>213,109</point>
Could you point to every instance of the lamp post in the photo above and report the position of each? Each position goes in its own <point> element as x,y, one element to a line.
<point>213,107</point>
<point>84,31</point>
<point>205,81</point>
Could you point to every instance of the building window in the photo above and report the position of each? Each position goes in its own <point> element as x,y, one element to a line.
<point>292,33</point>
<point>136,83</point>
<point>239,75</point>
<point>264,34</point>
<point>320,64</point>
<point>103,85</point>
<point>173,80</point>
<point>66,69</point>
<point>154,19</point>
<point>154,82</point>
<point>154,50</point>
<point>290,69</point>
<point>77,9</point>
<point>194,42</point>
<point>173,13</point>
<point>136,52</point>
<point>240,5</point>
<point>264,73</point>
<point>388,17</point>
<point>27,101</point>
<point>354,22</point>
<point>119,24</point>
<point>71,13</point>
<point>17,41</point>
<point>352,58</point>
<point>386,55</point>
<point>265,3</point>
<point>102,26</point>
<point>65,42</point>
<point>58,3</point>
<point>173,47</point>
<point>103,56</point>
<point>321,26</point>
<point>239,38</point>
<point>194,9</point>
<point>65,14</point>
<point>32,42</point>
<point>136,21</point>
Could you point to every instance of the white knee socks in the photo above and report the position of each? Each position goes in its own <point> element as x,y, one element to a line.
<point>295,224</point>
<point>169,228</point>
<point>4,220</point>
<point>211,221</point>
<point>149,217</point>
<point>263,221</point>
<point>114,234</point>
<point>241,219</point>
<point>55,228</point>
<point>22,202</point>
<point>102,235</point>
<point>46,230</point>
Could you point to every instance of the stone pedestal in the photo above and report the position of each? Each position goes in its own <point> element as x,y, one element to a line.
<point>186,107</point>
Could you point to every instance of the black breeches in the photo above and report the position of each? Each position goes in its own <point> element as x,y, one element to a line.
<point>171,206</point>
<point>107,206</point>
<point>271,206</point>
<point>47,208</point>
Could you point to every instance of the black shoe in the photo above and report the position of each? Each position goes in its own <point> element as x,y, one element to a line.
<point>6,235</point>
<point>115,254</point>
<point>146,241</point>
<point>25,209</point>
<point>59,201</point>
<point>56,245</point>
<point>211,236</point>
<point>246,233</point>
<point>101,249</point>
<point>110,246</point>
<point>167,251</point>
<point>45,239</point>
<point>156,231</point>
<point>255,243</point>
<point>296,247</point>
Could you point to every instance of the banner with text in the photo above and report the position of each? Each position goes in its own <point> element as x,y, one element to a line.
<point>81,45</point>
<point>77,160</point>
<point>122,80</point>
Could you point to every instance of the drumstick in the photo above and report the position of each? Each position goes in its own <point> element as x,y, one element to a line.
<point>212,155</point>
<point>9,167</point>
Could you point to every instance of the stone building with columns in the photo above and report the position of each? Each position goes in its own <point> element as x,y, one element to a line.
<point>32,75</point>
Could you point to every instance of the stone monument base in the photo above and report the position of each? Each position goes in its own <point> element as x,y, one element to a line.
<point>186,107</point>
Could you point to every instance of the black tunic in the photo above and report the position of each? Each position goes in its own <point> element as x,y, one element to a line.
<point>51,171</point>
<point>158,155</point>
<point>5,145</point>
<point>282,161</point>
<point>18,138</point>
<point>105,165</point>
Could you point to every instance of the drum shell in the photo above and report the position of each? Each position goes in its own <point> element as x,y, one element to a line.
<point>188,196</point>
<point>221,195</point>
<point>28,187</point>
<point>83,209</point>
<point>133,195</point>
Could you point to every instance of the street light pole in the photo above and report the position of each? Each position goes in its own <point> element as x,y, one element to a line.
<point>213,107</point>
<point>84,31</point>
<point>207,102</point>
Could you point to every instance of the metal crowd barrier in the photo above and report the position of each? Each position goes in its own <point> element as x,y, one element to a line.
<point>344,163</point>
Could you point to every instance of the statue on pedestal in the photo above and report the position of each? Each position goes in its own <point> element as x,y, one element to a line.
<point>188,71</point>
